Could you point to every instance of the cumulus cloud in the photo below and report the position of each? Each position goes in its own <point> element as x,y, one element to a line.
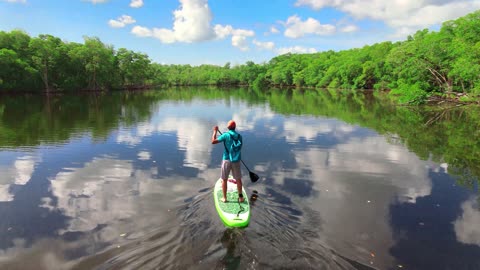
<point>24,169</point>
<point>349,28</point>
<point>109,191</point>
<point>296,28</point>
<point>296,49</point>
<point>240,42</point>
<point>136,3</point>
<point>296,130</point>
<point>5,195</point>
<point>192,23</point>
<point>239,39</point>
<point>274,30</point>
<point>121,21</point>
<point>239,36</point>
<point>141,31</point>
<point>466,226</point>
<point>347,171</point>
<point>222,31</point>
<point>83,193</point>
<point>19,173</point>
<point>194,146</point>
<point>407,16</point>
<point>268,45</point>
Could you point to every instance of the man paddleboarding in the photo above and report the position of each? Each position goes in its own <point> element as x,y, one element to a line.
<point>231,157</point>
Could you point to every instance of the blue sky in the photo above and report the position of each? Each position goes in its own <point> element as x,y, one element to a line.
<point>220,31</point>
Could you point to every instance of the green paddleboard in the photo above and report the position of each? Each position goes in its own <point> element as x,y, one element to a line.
<point>232,213</point>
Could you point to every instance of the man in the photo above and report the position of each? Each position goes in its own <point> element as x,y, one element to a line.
<point>231,157</point>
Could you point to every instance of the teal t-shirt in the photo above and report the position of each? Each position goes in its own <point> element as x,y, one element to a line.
<point>233,142</point>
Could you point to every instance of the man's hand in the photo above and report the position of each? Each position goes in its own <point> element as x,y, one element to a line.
<point>214,135</point>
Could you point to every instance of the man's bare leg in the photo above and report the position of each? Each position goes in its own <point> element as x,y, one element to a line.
<point>239,188</point>
<point>224,190</point>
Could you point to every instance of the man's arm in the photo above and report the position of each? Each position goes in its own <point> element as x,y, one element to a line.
<point>214,135</point>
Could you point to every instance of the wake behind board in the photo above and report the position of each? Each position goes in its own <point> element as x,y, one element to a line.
<point>232,213</point>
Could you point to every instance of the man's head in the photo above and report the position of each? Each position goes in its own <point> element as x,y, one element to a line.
<point>231,125</point>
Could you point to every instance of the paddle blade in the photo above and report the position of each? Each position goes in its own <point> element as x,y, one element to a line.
<point>253,177</point>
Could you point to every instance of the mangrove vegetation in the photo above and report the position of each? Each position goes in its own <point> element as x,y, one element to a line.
<point>441,63</point>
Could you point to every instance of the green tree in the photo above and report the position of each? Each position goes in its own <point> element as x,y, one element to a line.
<point>14,70</point>
<point>98,61</point>
<point>45,56</point>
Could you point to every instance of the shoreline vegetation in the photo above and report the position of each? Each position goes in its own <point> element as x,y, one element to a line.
<point>428,67</point>
<point>442,134</point>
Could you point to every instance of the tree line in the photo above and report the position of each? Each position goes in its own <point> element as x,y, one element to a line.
<point>444,61</point>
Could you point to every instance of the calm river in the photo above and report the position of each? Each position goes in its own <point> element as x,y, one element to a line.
<point>347,181</point>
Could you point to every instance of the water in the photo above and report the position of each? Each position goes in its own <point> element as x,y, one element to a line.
<point>347,181</point>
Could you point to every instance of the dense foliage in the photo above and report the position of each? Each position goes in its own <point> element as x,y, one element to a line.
<point>48,63</point>
<point>446,61</point>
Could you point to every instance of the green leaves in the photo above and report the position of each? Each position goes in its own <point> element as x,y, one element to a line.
<point>428,62</point>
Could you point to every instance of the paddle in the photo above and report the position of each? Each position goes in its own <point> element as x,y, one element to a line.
<point>253,176</point>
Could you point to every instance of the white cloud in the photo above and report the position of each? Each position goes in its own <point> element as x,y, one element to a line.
<point>24,168</point>
<point>295,129</point>
<point>296,49</point>
<point>368,171</point>
<point>466,226</point>
<point>95,194</point>
<point>240,42</point>
<point>109,191</point>
<point>239,36</point>
<point>140,31</point>
<point>192,23</point>
<point>19,173</point>
<point>121,21</point>
<point>274,30</point>
<point>317,4</point>
<point>144,155</point>
<point>126,137</point>
<point>296,28</point>
<point>136,3</point>
<point>193,145</point>
<point>97,1</point>
<point>223,31</point>
<point>16,1</point>
<point>404,15</point>
<point>5,195</point>
<point>268,45</point>
<point>243,32</point>
<point>165,35</point>
<point>349,28</point>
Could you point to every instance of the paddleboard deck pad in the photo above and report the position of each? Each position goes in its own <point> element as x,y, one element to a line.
<point>232,213</point>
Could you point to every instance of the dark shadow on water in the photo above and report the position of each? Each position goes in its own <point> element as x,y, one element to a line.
<point>230,240</point>
<point>299,187</point>
<point>253,198</point>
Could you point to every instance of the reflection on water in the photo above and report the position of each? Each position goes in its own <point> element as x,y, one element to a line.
<point>124,181</point>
